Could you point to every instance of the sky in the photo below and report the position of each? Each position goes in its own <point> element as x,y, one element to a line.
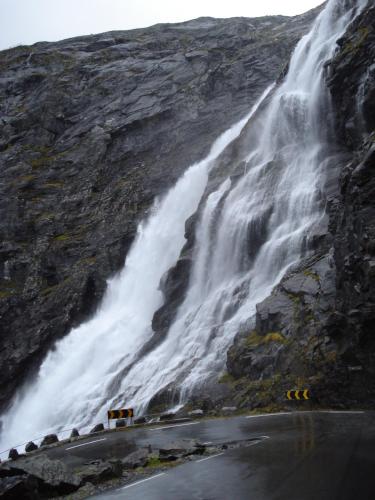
<point>29,21</point>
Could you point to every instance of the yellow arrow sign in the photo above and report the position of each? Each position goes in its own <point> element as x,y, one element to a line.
<point>306,394</point>
<point>288,395</point>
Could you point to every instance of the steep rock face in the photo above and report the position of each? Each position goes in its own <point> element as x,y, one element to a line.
<point>316,328</point>
<point>91,130</point>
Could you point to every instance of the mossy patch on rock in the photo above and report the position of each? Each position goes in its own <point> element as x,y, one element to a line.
<point>254,339</point>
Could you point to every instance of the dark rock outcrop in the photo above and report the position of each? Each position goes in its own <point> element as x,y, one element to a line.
<point>92,129</point>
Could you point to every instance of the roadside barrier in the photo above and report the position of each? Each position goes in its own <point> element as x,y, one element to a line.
<point>298,395</point>
<point>63,434</point>
<point>123,413</point>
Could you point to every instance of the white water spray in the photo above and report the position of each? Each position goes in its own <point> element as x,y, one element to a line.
<point>261,226</point>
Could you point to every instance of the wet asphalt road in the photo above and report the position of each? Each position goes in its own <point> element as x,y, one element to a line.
<point>306,456</point>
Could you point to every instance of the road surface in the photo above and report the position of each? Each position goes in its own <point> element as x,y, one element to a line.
<point>302,456</point>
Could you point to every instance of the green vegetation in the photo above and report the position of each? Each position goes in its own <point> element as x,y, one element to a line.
<point>87,261</point>
<point>331,357</point>
<point>54,184</point>
<point>309,318</point>
<point>295,298</point>
<point>360,37</point>
<point>45,216</point>
<point>62,237</point>
<point>26,178</point>
<point>254,339</point>
<point>8,288</point>
<point>311,274</point>
<point>50,289</point>
<point>226,378</point>
<point>154,462</point>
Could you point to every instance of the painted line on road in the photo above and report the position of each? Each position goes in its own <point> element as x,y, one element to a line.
<point>342,411</point>
<point>143,481</point>
<point>171,426</point>
<point>208,458</point>
<point>269,414</point>
<point>222,453</point>
<point>85,444</point>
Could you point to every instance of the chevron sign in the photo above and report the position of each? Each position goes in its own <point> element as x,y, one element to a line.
<point>298,395</point>
<point>123,413</point>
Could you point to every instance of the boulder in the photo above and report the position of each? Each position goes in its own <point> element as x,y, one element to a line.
<point>136,459</point>
<point>52,475</point>
<point>97,428</point>
<point>181,448</point>
<point>31,446</point>
<point>74,433</point>
<point>13,454</point>
<point>49,439</point>
<point>99,471</point>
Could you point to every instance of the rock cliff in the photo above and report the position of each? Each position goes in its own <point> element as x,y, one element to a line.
<point>92,129</point>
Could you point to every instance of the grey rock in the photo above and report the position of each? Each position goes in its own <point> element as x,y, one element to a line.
<point>138,458</point>
<point>302,284</point>
<point>74,433</point>
<point>181,448</point>
<point>51,475</point>
<point>97,428</point>
<point>19,487</point>
<point>31,446</point>
<point>99,471</point>
<point>13,454</point>
<point>49,439</point>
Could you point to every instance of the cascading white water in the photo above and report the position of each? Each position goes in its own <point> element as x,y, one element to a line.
<point>249,234</point>
<point>78,377</point>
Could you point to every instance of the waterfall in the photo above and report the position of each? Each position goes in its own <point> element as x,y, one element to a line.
<point>77,377</point>
<point>249,233</point>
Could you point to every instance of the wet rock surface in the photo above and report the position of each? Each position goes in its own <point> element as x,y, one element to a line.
<point>92,129</point>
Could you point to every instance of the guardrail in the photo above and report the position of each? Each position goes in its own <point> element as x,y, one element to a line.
<point>61,435</point>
